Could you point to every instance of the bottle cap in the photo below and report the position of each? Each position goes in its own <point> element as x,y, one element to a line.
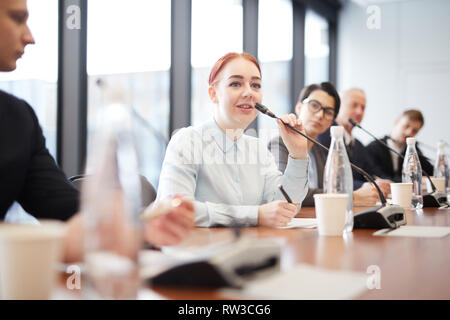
<point>337,131</point>
<point>410,141</point>
<point>441,144</point>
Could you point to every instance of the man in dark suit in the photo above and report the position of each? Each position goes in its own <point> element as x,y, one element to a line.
<point>407,125</point>
<point>352,107</point>
<point>28,173</point>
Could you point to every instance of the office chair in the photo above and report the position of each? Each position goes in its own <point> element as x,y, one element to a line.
<point>148,192</point>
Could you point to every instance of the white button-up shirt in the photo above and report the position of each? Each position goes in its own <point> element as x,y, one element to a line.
<point>227,180</point>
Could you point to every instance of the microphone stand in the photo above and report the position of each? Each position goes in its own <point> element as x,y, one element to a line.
<point>391,216</point>
<point>431,199</point>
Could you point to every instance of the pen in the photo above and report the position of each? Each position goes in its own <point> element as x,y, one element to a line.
<point>288,199</point>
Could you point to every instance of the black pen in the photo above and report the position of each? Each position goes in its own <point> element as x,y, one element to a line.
<point>288,199</point>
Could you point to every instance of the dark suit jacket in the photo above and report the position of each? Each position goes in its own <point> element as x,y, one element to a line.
<point>281,154</point>
<point>359,156</point>
<point>28,173</point>
<point>383,159</point>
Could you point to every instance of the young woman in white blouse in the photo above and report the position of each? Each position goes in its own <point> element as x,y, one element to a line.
<point>232,177</point>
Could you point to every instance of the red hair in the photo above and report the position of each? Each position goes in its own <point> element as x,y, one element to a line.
<point>220,64</point>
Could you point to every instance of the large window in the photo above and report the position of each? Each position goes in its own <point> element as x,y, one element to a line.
<point>317,48</point>
<point>128,53</point>
<point>216,30</point>
<point>35,79</point>
<point>275,55</point>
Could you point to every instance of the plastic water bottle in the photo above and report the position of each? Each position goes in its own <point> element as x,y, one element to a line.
<point>111,201</point>
<point>412,172</point>
<point>441,164</point>
<point>338,176</point>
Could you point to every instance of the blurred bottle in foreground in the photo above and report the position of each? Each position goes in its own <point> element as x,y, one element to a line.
<point>111,207</point>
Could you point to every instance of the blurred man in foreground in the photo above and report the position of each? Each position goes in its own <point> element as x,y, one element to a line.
<point>29,174</point>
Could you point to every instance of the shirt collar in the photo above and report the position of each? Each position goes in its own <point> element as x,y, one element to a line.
<point>224,142</point>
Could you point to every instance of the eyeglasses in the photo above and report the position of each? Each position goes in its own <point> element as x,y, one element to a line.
<point>315,107</point>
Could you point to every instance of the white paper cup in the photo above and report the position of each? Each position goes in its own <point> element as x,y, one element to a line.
<point>439,183</point>
<point>28,258</point>
<point>331,211</point>
<point>402,194</point>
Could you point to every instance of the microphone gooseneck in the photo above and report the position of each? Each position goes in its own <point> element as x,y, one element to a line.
<point>265,110</point>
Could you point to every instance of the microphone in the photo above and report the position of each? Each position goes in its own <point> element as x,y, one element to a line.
<point>265,110</point>
<point>384,216</point>
<point>432,199</point>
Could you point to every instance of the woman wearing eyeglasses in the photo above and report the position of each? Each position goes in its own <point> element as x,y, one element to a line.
<point>232,177</point>
<point>317,107</point>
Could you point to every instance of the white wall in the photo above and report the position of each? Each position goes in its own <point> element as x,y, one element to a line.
<point>404,64</point>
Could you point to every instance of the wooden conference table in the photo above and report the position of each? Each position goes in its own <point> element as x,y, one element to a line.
<point>411,268</point>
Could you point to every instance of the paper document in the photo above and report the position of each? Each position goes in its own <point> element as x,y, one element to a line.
<point>305,282</point>
<point>415,231</point>
<point>301,223</point>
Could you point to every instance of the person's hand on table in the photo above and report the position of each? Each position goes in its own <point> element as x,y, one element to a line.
<point>168,228</point>
<point>172,227</point>
<point>366,195</point>
<point>385,186</point>
<point>276,213</point>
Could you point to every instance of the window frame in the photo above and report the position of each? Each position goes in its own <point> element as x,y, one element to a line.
<point>72,74</point>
